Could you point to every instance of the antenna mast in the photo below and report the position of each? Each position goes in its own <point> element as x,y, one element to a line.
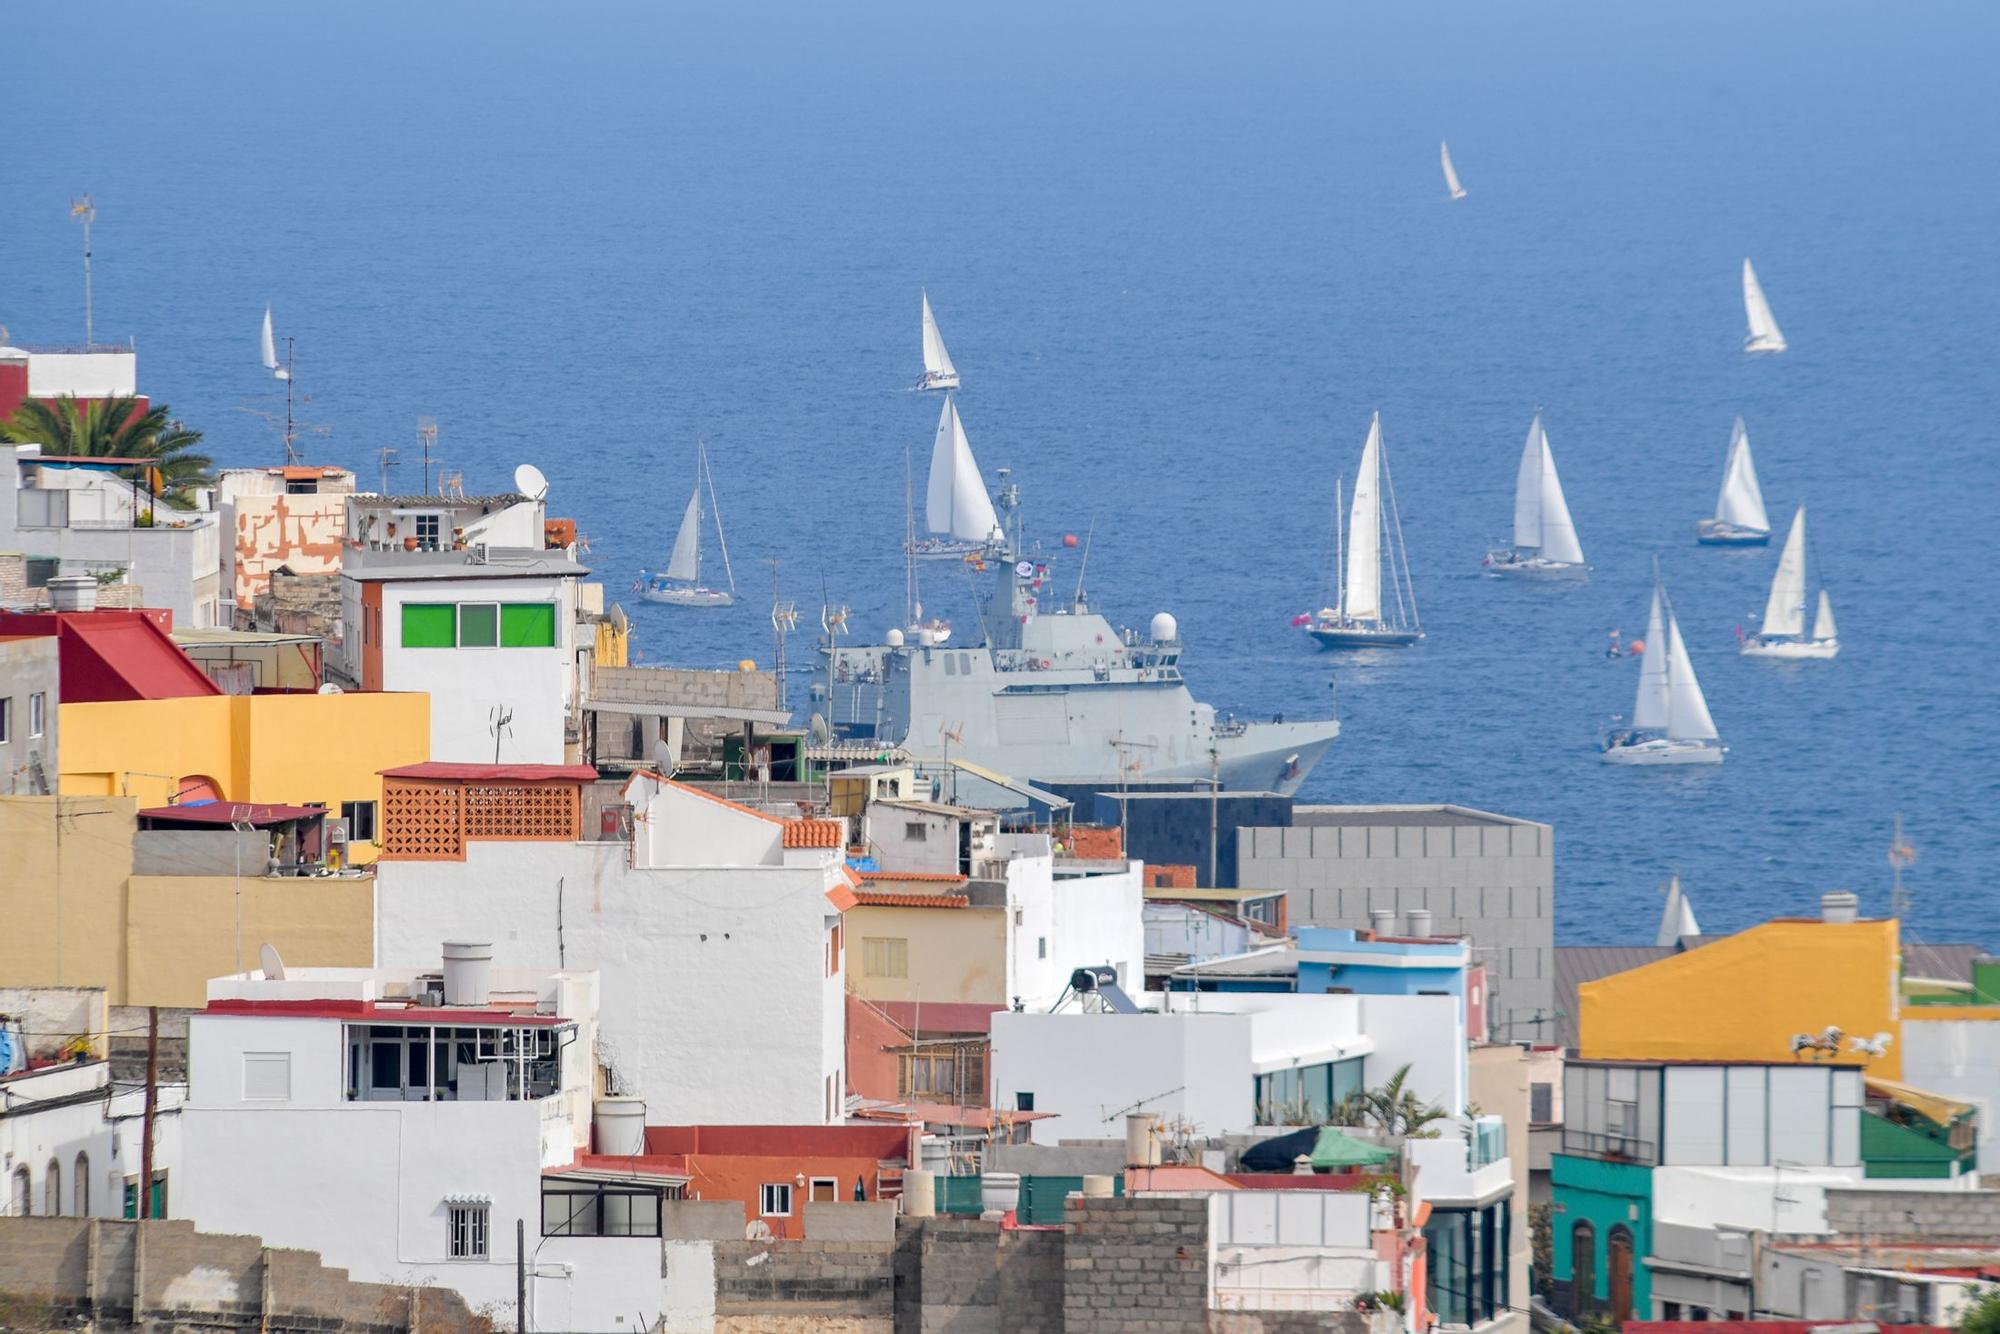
<point>1901,854</point>
<point>388,462</point>
<point>84,207</point>
<point>427,434</point>
<point>783,617</point>
<point>291,432</point>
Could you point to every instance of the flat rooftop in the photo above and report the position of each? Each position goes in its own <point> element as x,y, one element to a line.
<point>1406,817</point>
<point>367,563</point>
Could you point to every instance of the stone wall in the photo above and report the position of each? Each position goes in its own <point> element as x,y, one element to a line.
<point>1136,1266</point>
<point>164,1274</point>
<point>828,1287</point>
<point>1952,1215</point>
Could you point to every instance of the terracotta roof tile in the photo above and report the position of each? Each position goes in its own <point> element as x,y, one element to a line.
<point>875,898</point>
<point>842,898</point>
<point>814,833</point>
<point>929,877</point>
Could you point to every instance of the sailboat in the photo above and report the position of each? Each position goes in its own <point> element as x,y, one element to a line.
<point>1783,634</point>
<point>1545,545</point>
<point>1361,620</point>
<point>1764,335</point>
<point>1450,173</point>
<point>958,514</point>
<point>939,373</point>
<point>936,630</point>
<point>1739,519</point>
<point>269,350</point>
<point>1670,721</point>
<point>1677,920</point>
<point>680,584</point>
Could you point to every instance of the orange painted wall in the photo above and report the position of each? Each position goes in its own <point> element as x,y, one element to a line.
<point>715,1176</point>
<point>871,1071</point>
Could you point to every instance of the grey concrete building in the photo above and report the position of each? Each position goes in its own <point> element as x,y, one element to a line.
<point>1488,877</point>
<point>28,677</point>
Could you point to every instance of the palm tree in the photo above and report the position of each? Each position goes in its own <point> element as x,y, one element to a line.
<point>1394,1108</point>
<point>115,428</point>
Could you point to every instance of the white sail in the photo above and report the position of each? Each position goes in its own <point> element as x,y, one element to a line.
<point>1823,627</point>
<point>1362,597</point>
<point>1677,918</point>
<point>1558,532</point>
<point>1785,610</point>
<point>1687,718</point>
<point>1765,336</point>
<point>685,563</point>
<point>1450,175</point>
<point>955,501</point>
<point>1742,500</point>
<point>937,361</point>
<point>1528,489</point>
<point>1651,710</point>
<point>268,349</point>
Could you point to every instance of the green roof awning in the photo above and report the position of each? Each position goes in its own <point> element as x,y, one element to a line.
<point>1336,1148</point>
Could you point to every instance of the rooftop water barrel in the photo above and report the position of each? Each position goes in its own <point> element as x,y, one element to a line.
<point>619,1126</point>
<point>73,592</point>
<point>466,965</point>
<point>919,1193</point>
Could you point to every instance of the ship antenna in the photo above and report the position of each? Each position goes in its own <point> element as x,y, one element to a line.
<point>1077,603</point>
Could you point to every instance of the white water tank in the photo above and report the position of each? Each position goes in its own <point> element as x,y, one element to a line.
<point>1420,923</point>
<point>919,1193</point>
<point>1142,1145</point>
<point>894,639</point>
<point>1166,630</point>
<point>999,1192</point>
<point>1382,921</point>
<point>1839,906</point>
<point>927,637</point>
<point>619,1126</point>
<point>1098,1188</point>
<point>466,965</point>
<point>73,592</point>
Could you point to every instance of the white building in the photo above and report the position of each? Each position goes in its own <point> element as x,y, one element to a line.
<point>490,633</point>
<point>717,929</point>
<point>1223,1062</point>
<point>410,1140</point>
<point>928,837</point>
<point>90,520</point>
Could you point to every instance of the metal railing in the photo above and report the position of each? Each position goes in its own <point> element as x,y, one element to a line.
<point>1613,1146</point>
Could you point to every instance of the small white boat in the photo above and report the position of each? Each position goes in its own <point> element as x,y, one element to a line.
<point>1361,620</point>
<point>958,514</point>
<point>1783,634</point>
<point>268,350</point>
<point>681,584</point>
<point>1450,173</point>
<point>1545,544</point>
<point>1740,520</point>
<point>939,373</point>
<point>1764,335</point>
<point>1670,720</point>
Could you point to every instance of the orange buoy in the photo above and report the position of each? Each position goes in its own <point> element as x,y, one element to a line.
<point>1069,539</point>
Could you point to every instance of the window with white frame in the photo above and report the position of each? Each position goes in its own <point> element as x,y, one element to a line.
<point>885,956</point>
<point>360,817</point>
<point>466,1230</point>
<point>38,713</point>
<point>774,1200</point>
<point>430,528</point>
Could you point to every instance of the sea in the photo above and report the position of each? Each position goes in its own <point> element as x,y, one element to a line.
<point>1180,253</point>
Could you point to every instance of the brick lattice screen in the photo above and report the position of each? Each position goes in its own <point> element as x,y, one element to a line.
<point>432,822</point>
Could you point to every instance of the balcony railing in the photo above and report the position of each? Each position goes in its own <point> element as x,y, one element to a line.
<point>1612,1146</point>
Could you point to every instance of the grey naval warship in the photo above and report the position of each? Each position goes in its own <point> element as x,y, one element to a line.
<point>1055,695</point>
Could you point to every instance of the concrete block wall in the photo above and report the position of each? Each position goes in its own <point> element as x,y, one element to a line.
<point>684,688</point>
<point>164,1273</point>
<point>1954,1215</point>
<point>1136,1266</point>
<point>851,1283</point>
<point>1493,882</point>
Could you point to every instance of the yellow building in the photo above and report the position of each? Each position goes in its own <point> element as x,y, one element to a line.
<point>1770,993</point>
<point>300,750</point>
<point>931,948</point>
<point>77,916</point>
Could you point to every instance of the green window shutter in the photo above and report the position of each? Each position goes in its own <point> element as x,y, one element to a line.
<point>430,625</point>
<point>528,625</point>
<point>478,624</point>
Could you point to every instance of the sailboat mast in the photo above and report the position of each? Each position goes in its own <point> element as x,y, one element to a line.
<point>1339,550</point>
<point>291,435</point>
<point>721,541</point>
<point>1394,517</point>
<point>909,534</point>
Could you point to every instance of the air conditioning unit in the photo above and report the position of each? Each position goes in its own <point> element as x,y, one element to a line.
<point>479,556</point>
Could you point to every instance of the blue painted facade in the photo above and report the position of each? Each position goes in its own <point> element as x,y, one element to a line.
<point>1397,967</point>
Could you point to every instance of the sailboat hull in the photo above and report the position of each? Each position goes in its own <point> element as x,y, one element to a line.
<point>1792,650</point>
<point>1716,533</point>
<point>1512,565</point>
<point>1756,344</point>
<point>1663,751</point>
<point>1362,636</point>
<point>938,380</point>
<point>941,548</point>
<point>682,596</point>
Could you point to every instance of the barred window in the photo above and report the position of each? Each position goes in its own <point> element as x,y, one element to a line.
<point>466,1231</point>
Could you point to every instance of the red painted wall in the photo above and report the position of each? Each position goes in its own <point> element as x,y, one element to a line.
<point>871,1072</point>
<point>13,386</point>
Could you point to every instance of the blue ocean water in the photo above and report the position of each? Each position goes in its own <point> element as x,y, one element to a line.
<point>1179,254</point>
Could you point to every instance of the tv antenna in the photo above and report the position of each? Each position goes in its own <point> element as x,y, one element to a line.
<point>784,619</point>
<point>501,718</point>
<point>1901,854</point>
<point>388,463</point>
<point>85,208</point>
<point>947,735</point>
<point>427,437</point>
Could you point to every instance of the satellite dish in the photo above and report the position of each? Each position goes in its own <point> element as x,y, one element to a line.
<point>1025,570</point>
<point>528,480</point>
<point>818,731</point>
<point>329,688</point>
<point>274,967</point>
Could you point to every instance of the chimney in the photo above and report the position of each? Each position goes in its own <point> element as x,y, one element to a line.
<point>1840,906</point>
<point>1419,923</point>
<point>1381,921</point>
